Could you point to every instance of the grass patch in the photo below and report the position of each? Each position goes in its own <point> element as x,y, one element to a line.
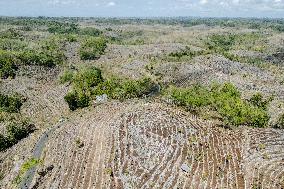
<point>225,100</point>
<point>24,168</point>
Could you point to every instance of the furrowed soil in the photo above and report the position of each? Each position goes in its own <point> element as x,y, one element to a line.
<point>148,142</point>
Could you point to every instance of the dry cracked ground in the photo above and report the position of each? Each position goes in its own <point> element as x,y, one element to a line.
<point>147,143</point>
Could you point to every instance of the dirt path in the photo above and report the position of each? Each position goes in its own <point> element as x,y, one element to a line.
<point>37,152</point>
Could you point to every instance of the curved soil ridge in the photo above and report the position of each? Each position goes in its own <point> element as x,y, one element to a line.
<point>136,144</point>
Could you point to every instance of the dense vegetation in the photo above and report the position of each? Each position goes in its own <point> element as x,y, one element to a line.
<point>15,132</point>
<point>92,48</point>
<point>183,55</point>
<point>226,101</point>
<point>89,83</point>
<point>16,52</point>
<point>223,44</point>
<point>10,104</point>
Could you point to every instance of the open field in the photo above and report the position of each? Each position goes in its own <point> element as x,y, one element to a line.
<point>141,103</point>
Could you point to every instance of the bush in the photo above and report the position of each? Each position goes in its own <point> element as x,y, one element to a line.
<point>63,28</point>
<point>41,57</point>
<point>220,43</point>
<point>226,101</point>
<point>12,44</point>
<point>15,132</point>
<point>87,78</point>
<point>90,31</point>
<point>10,103</point>
<point>92,48</point>
<point>184,54</point>
<point>7,65</point>
<point>280,122</point>
<point>88,83</point>
<point>83,82</point>
<point>192,98</point>
<point>66,76</point>
<point>77,100</point>
<point>132,89</point>
<point>11,34</point>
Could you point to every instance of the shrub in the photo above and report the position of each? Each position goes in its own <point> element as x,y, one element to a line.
<point>77,100</point>
<point>12,44</point>
<point>41,58</point>
<point>192,97</point>
<point>7,65</point>
<point>87,78</point>
<point>90,31</point>
<point>92,48</point>
<point>184,54</point>
<point>220,43</point>
<point>258,101</point>
<point>66,76</point>
<point>11,34</point>
<point>10,103</point>
<point>63,28</point>
<point>15,132</point>
<point>226,101</point>
<point>4,143</point>
<point>132,89</point>
<point>280,122</point>
<point>88,83</point>
<point>83,82</point>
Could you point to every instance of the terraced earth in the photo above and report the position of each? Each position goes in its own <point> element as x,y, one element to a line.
<point>152,145</point>
<point>147,142</point>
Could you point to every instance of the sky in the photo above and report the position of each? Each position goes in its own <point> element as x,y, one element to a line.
<point>143,8</point>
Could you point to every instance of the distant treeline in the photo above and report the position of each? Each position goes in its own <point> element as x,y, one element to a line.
<point>253,23</point>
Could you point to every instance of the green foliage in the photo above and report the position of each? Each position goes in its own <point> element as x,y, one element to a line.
<point>83,81</point>
<point>92,48</point>
<point>41,58</point>
<point>7,65</point>
<point>15,132</point>
<point>280,122</point>
<point>90,31</point>
<point>24,168</point>
<point>258,101</point>
<point>89,82</point>
<point>124,89</point>
<point>77,99</point>
<point>12,44</point>
<point>87,78</point>
<point>11,34</point>
<point>71,38</point>
<point>66,76</point>
<point>10,103</point>
<point>63,28</point>
<point>184,54</point>
<point>220,43</point>
<point>192,98</point>
<point>226,101</point>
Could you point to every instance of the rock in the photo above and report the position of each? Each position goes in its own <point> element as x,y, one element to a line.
<point>102,98</point>
<point>185,168</point>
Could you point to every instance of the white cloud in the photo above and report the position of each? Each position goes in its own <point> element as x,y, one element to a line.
<point>203,2</point>
<point>111,4</point>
